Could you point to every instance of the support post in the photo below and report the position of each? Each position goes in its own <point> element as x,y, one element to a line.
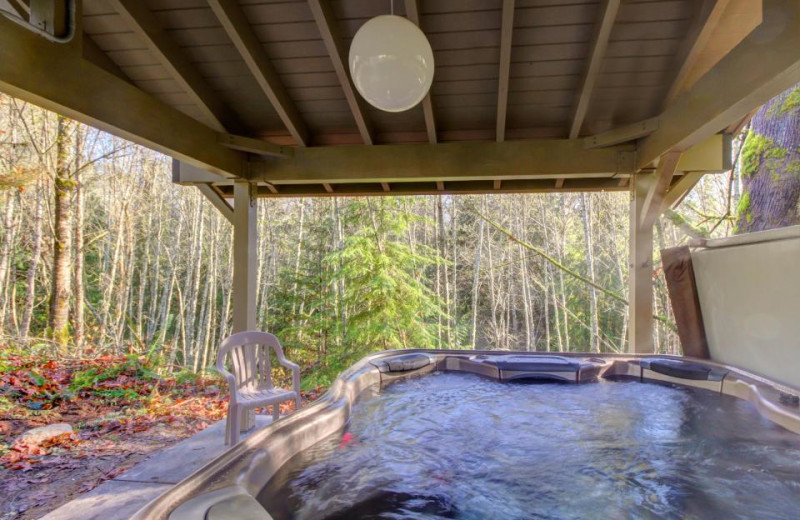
<point>640,276</point>
<point>245,239</point>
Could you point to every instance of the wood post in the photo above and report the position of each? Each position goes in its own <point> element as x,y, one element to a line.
<point>245,239</point>
<point>640,277</point>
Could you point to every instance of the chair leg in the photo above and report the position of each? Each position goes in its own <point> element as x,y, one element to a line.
<point>276,412</point>
<point>236,425</point>
<point>228,424</point>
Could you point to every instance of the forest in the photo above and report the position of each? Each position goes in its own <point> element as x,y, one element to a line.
<point>101,254</point>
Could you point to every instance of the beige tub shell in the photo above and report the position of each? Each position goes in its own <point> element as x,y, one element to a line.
<point>227,485</point>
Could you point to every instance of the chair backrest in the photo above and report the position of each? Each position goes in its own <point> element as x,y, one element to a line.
<point>250,356</point>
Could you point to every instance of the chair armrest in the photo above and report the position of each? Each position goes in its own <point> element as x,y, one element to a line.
<point>295,373</point>
<point>288,364</point>
<point>230,380</point>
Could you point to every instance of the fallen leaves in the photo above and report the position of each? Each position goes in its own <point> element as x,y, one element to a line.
<point>121,410</point>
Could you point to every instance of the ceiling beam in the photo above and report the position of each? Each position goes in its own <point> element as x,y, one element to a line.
<point>57,78</point>
<point>761,66</point>
<point>217,200</point>
<point>254,146</point>
<point>599,43</point>
<point>21,8</point>
<point>93,53</point>
<point>143,23</point>
<point>188,174</point>
<point>656,191</point>
<point>412,13</point>
<point>239,30</point>
<point>703,25</point>
<point>544,158</point>
<point>680,189</point>
<point>506,37</point>
<point>622,134</point>
<point>429,188</point>
<point>326,23</point>
<point>713,155</point>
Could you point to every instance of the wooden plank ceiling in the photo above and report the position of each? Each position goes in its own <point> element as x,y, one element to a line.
<point>272,69</point>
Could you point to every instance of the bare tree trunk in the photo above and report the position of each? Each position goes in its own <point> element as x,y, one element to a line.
<point>30,279</point>
<point>5,253</point>
<point>78,313</point>
<point>476,276</point>
<point>297,258</point>
<point>443,254</point>
<point>62,243</point>
<point>224,315</point>
<point>492,291</point>
<point>588,239</point>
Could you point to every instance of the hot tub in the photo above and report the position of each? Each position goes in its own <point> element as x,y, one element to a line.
<point>483,435</point>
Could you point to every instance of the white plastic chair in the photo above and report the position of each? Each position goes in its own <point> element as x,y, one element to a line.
<point>250,384</point>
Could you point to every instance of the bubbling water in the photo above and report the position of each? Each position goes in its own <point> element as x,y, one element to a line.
<point>459,446</point>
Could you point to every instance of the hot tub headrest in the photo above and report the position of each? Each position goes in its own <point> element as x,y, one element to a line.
<point>523,363</point>
<point>402,363</point>
<point>683,369</point>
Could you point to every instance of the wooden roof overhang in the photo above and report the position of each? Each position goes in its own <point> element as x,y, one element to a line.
<point>528,95</point>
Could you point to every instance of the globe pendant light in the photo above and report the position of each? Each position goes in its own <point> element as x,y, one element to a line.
<point>391,63</point>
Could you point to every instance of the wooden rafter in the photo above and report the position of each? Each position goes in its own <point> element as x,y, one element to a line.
<point>219,202</point>
<point>254,146</point>
<point>412,13</point>
<point>599,43</point>
<point>430,188</point>
<point>21,8</point>
<point>622,134</point>
<point>326,23</point>
<point>142,22</point>
<point>770,55</point>
<point>56,77</point>
<point>549,158</point>
<point>94,54</point>
<point>240,32</point>
<point>651,208</point>
<point>506,37</point>
<point>680,189</point>
<point>708,15</point>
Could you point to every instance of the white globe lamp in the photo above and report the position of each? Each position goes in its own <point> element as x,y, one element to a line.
<point>391,63</point>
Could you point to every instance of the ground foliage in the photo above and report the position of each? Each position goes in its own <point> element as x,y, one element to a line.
<point>122,409</point>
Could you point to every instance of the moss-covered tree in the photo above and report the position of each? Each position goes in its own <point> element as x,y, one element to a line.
<point>62,234</point>
<point>771,166</point>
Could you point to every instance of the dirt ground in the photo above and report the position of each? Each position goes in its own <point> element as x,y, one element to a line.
<point>121,413</point>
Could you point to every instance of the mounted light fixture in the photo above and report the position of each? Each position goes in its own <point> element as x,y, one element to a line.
<point>391,63</point>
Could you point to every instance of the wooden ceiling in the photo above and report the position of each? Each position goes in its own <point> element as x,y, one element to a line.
<point>528,95</point>
<point>525,61</point>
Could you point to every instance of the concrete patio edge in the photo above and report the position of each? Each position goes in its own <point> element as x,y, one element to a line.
<point>120,497</point>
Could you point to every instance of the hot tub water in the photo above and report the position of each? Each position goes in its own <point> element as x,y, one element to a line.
<point>453,445</point>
